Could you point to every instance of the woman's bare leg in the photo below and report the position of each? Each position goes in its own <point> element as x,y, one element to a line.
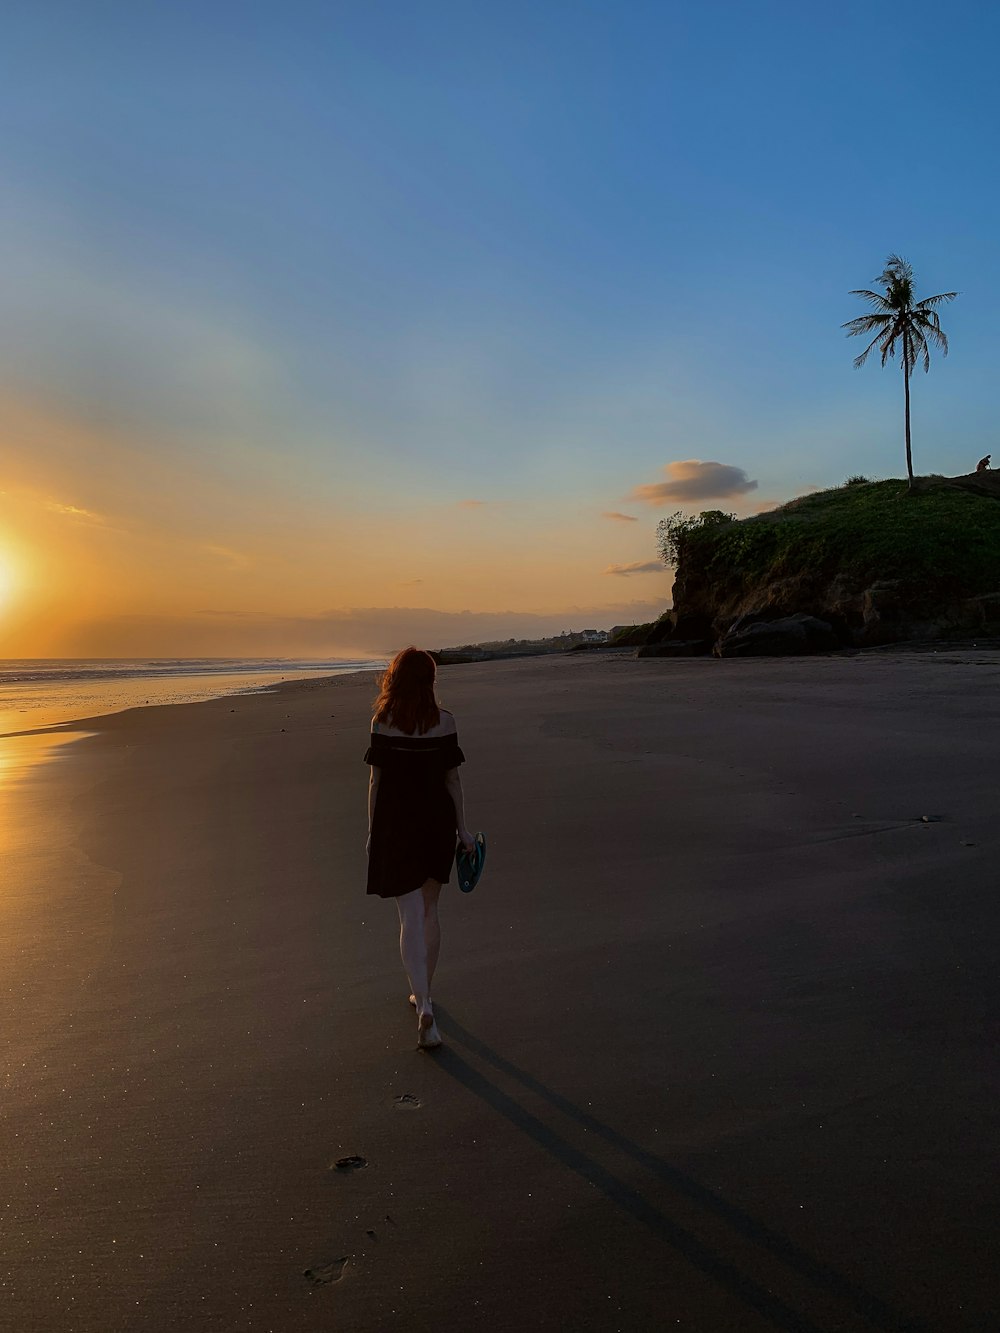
<point>412,944</point>
<point>432,927</point>
<point>432,931</point>
<point>413,951</point>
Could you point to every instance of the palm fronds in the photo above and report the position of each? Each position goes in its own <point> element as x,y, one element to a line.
<point>898,321</point>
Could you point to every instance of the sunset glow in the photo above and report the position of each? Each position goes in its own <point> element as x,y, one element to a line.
<point>294,371</point>
<point>12,579</point>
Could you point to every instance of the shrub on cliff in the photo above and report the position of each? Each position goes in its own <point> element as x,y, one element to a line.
<point>671,532</point>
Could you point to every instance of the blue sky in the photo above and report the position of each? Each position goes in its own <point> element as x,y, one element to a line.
<point>364,262</point>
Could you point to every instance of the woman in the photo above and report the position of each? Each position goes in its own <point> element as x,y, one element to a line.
<point>415,807</point>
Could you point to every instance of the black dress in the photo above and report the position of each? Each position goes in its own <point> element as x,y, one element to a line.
<point>414,832</point>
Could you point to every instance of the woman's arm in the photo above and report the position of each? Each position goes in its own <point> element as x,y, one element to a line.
<point>453,782</point>
<point>373,777</point>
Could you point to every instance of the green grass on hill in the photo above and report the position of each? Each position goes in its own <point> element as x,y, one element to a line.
<point>866,532</point>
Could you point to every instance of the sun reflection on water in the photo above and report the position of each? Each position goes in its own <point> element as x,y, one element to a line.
<point>23,760</point>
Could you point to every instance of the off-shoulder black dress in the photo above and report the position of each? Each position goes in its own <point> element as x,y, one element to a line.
<point>414,831</point>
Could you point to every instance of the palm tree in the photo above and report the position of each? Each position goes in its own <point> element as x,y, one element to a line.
<point>899,321</point>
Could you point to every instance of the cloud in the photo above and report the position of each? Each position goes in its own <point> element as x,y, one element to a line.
<point>234,559</point>
<point>638,567</point>
<point>693,480</point>
<point>471,504</point>
<point>356,632</point>
<point>409,583</point>
<point>619,518</point>
<point>72,511</point>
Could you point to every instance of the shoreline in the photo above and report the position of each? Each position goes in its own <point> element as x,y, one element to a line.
<point>916,648</point>
<point>716,1019</point>
<point>88,722</point>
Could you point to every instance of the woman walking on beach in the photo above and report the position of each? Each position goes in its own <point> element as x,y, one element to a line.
<point>415,809</point>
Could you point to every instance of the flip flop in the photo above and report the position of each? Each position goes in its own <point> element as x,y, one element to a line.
<point>469,865</point>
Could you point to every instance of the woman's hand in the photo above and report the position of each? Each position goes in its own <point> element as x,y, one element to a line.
<point>466,839</point>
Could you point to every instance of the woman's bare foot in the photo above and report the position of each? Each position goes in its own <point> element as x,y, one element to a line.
<point>427,1033</point>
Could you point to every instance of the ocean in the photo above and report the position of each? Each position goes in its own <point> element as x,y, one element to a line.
<point>43,693</point>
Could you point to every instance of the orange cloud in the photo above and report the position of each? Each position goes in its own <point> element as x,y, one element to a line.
<point>72,511</point>
<point>620,518</point>
<point>637,567</point>
<point>232,559</point>
<point>355,632</point>
<point>471,504</point>
<point>691,480</point>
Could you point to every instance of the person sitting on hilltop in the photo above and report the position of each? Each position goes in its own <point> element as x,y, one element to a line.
<point>984,464</point>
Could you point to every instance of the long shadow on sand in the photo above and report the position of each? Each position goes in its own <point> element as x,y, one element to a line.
<point>826,1279</point>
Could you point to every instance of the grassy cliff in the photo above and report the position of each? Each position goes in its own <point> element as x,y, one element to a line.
<point>876,560</point>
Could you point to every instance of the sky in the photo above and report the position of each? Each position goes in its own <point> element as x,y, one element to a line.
<point>330,327</point>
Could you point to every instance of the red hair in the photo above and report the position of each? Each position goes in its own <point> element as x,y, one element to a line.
<point>406,693</point>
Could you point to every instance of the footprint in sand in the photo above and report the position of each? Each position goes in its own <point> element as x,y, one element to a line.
<point>350,1163</point>
<point>407,1101</point>
<point>325,1273</point>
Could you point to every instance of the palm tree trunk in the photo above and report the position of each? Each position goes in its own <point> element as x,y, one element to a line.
<point>906,391</point>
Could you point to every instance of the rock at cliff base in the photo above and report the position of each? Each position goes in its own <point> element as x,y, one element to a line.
<point>789,636</point>
<point>676,648</point>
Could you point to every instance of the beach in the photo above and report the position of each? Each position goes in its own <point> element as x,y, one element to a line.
<point>719,1021</point>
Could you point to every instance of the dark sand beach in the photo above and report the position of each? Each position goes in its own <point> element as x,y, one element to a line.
<point>720,1021</point>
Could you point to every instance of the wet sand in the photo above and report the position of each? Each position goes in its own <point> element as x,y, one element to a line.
<point>720,1020</point>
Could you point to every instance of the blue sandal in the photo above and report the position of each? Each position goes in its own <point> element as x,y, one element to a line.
<point>470,864</point>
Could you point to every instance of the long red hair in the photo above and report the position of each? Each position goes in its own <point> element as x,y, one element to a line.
<point>406,693</point>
